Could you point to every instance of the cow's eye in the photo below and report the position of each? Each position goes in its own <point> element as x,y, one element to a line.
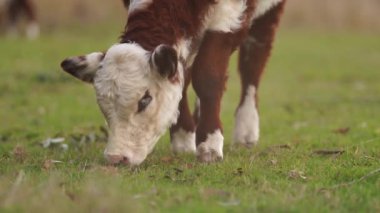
<point>144,102</point>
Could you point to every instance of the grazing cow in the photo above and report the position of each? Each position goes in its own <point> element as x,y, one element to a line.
<point>141,82</point>
<point>14,10</point>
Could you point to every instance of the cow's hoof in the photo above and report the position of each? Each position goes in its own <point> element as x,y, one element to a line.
<point>206,155</point>
<point>246,137</point>
<point>183,142</point>
<point>212,149</point>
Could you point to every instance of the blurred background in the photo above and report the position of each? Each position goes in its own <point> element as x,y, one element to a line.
<point>322,14</point>
<point>354,15</point>
<point>335,15</point>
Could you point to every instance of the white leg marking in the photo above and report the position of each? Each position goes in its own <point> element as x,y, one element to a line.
<point>183,142</point>
<point>32,30</point>
<point>247,130</point>
<point>211,150</point>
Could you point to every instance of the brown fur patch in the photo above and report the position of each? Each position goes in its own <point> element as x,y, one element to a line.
<point>165,22</point>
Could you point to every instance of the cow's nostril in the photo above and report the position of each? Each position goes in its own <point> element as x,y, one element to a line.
<point>114,159</point>
<point>125,160</point>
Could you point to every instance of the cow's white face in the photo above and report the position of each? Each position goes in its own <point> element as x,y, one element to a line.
<point>137,91</point>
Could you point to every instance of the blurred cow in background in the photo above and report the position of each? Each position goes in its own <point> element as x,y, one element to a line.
<point>13,10</point>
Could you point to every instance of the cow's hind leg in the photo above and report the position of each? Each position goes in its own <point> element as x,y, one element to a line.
<point>254,53</point>
<point>182,134</point>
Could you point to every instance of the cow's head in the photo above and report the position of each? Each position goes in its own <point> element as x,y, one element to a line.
<point>138,92</point>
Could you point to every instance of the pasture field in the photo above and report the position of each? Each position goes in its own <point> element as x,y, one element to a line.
<point>320,94</point>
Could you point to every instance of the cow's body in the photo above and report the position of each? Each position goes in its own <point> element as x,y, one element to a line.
<point>14,10</point>
<point>202,34</point>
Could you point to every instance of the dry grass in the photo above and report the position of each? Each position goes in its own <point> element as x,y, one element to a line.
<point>56,13</point>
<point>334,14</point>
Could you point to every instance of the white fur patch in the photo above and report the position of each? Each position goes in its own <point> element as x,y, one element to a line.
<point>185,51</point>
<point>247,130</point>
<point>211,150</point>
<point>226,15</point>
<point>93,61</point>
<point>138,5</point>
<point>183,48</point>
<point>125,76</point>
<point>114,72</point>
<point>183,142</point>
<point>264,6</point>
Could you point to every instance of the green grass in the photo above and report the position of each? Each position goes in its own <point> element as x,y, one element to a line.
<point>315,83</point>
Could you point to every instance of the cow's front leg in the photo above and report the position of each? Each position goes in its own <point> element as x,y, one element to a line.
<point>182,134</point>
<point>209,76</point>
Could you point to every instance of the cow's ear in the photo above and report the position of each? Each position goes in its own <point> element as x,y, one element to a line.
<point>83,67</point>
<point>164,58</point>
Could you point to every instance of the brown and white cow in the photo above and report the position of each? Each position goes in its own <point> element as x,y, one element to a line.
<point>14,10</point>
<point>141,82</point>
